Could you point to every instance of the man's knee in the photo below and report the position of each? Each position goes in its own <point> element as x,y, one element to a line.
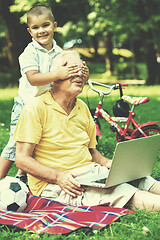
<point>145,200</point>
<point>155,188</point>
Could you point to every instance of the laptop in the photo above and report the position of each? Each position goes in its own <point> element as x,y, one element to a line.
<point>132,160</point>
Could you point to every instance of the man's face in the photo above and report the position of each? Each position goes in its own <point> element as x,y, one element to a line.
<point>73,85</point>
<point>77,80</point>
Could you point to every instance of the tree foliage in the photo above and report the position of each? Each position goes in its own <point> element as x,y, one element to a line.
<point>133,25</point>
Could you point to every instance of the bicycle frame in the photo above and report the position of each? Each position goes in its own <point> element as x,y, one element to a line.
<point>122,132</point>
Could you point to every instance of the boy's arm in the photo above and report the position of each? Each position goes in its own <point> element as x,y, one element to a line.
<point>60,73</point>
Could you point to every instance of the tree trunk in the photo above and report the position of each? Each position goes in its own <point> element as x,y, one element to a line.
<point>158,77</point>
<point>16,34</point>
<point>151,65</point>
<point>109,54</point>
<point>95,46</point>
<point>133,62</point>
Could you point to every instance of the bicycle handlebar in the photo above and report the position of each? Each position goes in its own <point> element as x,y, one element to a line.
<point>113,87</point>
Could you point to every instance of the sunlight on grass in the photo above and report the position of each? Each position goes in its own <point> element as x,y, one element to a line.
<point>88,52</point>
<point>139,225</point>
<point>143,90</point>
<point>147,91</point>
<point>123,52</point>
<point>8,93</point>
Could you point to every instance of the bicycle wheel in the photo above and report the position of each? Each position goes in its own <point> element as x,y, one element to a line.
<point>120,139</point>
<point>149,131</point>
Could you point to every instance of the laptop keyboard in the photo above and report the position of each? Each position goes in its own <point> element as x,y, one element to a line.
<point>103,180</point>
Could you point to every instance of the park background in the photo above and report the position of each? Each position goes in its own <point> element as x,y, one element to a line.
<point>120,41</point>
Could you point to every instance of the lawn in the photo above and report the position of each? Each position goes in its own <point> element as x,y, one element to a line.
<point>141,224</point>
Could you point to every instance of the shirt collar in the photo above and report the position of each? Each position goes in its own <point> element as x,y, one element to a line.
<point>38,46</point>
<point>47,99</point>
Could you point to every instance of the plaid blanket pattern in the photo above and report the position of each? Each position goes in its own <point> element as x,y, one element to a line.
<point>43,215</point>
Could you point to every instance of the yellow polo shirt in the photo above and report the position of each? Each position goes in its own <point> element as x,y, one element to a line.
<point>62,140</point>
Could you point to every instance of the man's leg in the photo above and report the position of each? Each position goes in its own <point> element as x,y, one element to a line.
<point>5,165</point>
<point>155,188</point>
<point>145,200</point>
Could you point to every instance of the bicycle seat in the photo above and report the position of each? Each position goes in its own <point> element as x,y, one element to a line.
<point>135,100</point>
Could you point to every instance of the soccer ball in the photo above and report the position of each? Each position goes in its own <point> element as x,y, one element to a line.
<point>13,194</point>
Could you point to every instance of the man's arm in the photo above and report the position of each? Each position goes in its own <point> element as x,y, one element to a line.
<point>27,163</point>
<point>99,158</point>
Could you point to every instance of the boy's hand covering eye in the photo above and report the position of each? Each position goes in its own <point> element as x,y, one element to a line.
<point>85,72</point>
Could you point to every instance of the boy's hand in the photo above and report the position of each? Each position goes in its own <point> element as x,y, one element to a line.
<point>64,72</point>
<point>85,72</point>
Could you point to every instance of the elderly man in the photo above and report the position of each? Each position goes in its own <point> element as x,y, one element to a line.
<point>56,140</point>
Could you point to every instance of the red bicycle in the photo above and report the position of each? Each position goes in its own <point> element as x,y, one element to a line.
<point>122,114</point>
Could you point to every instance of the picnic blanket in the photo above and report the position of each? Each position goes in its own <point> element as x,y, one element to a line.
<point>43,215</point>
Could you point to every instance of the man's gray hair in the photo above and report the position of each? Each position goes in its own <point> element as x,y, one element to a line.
<point>59,56</point>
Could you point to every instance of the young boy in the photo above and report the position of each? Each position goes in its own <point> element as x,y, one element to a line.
<point>36,78</point>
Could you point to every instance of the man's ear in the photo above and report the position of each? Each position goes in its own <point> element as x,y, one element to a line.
<point>28,29</point>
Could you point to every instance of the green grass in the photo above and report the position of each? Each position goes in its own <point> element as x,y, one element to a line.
<point>141,224</point>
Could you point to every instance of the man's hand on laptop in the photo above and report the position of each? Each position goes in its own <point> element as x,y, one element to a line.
<point>108,163</point>
<point>97,157</point>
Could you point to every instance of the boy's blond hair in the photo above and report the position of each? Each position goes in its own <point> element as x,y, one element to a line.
<point>38,10</point>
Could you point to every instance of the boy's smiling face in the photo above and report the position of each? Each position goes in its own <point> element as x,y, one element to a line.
<point>42,29</point>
